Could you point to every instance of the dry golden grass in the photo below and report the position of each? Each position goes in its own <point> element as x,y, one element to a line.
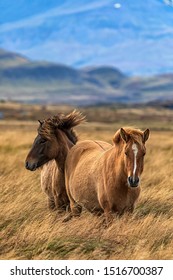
<point>29,230</point>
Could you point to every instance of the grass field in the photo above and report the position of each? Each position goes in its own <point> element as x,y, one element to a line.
<point>29,230</point>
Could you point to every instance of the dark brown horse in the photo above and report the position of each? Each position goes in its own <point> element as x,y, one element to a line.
<point>106,178</point>
<point>49,151</point>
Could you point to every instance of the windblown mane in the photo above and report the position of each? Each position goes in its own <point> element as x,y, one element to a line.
<point>63,122</point>
<point>133,133</point>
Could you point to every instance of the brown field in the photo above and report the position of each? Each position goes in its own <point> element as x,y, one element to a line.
<point>29,230</point>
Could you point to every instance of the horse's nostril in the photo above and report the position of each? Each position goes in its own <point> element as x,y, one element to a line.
<point>26,165</point>
<point>130,179</point>
<point>137,180</point>
<point>34,166</point>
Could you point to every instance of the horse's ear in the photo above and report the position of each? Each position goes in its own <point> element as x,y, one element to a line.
<point>116,138</point>
<point>146,134</point>
<point>124,135</point>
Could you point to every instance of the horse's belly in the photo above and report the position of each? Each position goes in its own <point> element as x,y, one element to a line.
<point>89,204</point>
<point>86,197</point>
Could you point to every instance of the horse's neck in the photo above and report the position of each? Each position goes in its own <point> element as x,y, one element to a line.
<point>64,147</point>
<point>115,163</point>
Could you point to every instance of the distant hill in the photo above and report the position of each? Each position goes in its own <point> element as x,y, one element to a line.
<point>8,59</point>
<point>42,82</point>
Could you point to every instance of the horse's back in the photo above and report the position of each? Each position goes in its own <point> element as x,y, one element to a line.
<point>85,151</point>
<point>89,146</point>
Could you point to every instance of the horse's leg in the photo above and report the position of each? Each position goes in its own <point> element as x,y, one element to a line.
<point>51,203</point>
<point>76,210</point>
<point>59,191</point>
<point>131,209</point>
<point>108,216</point>
<point>56,199</point>
<point>105,205</point>
<point>61,202</point>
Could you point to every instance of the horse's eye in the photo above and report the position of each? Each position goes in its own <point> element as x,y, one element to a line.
<point>144,154</point>
<point>126,153</point>
<point>42,141</point>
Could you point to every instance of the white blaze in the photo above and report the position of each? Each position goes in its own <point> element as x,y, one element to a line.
<point>135,151</point>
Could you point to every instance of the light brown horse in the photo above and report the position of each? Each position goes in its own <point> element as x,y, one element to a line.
<point>49,150</point>
<point>103,177</point>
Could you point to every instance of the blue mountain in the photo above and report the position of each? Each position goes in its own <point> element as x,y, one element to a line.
<point>134,36</point>
<point>47,82</point>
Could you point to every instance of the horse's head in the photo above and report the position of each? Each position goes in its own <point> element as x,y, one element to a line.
<point>133,152</point>
<point>45,146</point>
<point>54,135</point>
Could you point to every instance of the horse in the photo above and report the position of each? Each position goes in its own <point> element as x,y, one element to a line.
<point>105,178</point>
<point>49,151</point>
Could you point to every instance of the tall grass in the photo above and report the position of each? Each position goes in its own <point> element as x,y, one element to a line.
<point>29,230</point>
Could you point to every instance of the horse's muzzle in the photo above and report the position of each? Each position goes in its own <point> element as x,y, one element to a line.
<point>31,166</point>
<point>133,182</point>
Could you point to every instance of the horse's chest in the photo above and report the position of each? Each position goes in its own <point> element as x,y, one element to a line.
<point>124,201</point>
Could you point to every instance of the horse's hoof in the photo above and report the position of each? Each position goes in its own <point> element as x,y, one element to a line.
<point>68,218</point>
